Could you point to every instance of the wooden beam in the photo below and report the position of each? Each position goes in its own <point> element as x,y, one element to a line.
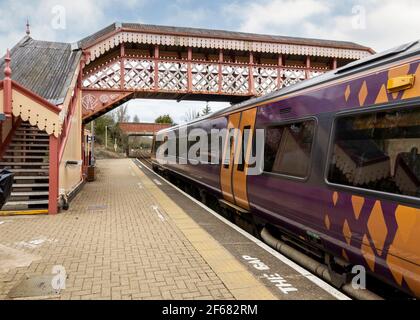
<point>279,69</point>
<point>220,78</point>
<point>68,122</point>
<point>122,66</point>
<point>53,173</point>
<point>251,87</point>
<point>156,71</point>
<point>189,69</point>
<point>7,86</point>
<point>83,148</point>
<point>308,66</point>
<point>334,63</point>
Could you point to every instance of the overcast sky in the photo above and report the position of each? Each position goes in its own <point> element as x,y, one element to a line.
<point>379,24</point>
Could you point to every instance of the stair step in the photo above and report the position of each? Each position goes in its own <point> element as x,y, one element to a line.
<point>30,185</point>
<point>28,170</point>
<point>37,134</point>
<point>31,177</point>
<point>29,193</point>
<point>28,145</point>
<point>27,202</point>
<point>23,204</point>
<point>27,151</point>
<point>32,134</point>
<point>21,135</point>
<point>23,156</point>
<point>23,163</point>
<point>29,140</point>
<point>27,128</point>
<point>28,125</point>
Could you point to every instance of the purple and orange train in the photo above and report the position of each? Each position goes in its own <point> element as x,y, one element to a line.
<point>341,163</point>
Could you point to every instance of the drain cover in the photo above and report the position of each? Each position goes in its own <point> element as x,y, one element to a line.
<point>36,286</point>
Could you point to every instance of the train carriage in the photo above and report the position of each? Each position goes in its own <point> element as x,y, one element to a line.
<point>341,169</point>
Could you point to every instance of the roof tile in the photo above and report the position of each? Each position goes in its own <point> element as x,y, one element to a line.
<point>45,68</point>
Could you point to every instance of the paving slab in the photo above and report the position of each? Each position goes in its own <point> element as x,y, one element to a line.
<point>120,239</point>
<point>281,278</point>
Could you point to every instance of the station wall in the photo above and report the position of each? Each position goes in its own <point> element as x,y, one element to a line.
<point>71,175</point>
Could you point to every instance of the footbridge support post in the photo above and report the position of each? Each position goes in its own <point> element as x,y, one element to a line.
<point>53,173</point>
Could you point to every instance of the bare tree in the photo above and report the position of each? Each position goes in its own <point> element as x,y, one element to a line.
<point>191,114</point>
<point>121,114</point>
<point>136,118</point>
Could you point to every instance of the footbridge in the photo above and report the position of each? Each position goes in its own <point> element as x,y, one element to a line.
<point>50,90</point>
<point>133,129</point>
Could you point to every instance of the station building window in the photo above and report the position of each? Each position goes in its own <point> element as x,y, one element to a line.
<point>287,148</point>
<point>378,151</point>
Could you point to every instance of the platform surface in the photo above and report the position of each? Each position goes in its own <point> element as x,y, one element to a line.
<point>131,235</point>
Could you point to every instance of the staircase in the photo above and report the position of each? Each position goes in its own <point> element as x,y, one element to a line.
<point>27,157</point>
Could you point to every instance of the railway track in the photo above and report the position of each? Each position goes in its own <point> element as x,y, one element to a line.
<point>375,289</point>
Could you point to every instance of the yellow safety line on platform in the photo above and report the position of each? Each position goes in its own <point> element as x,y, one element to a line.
<point>238,280</point>
<point>22,212</point>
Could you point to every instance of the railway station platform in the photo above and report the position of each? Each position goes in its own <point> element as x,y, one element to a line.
<point>132,235</point>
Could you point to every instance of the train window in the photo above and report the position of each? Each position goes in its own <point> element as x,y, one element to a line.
<point>190,143</point>
<point>183,144</point>
<point>229,149</point>
<point>287,148</point>
<point>176,143</point>
<point>209,151</point>
<point>177,147</point>
<point>155,145</point>
<point>193,142</point>
<point>166,152</point>
<point>244,149</point>
<point>253,150</point>
<point>378,151</point>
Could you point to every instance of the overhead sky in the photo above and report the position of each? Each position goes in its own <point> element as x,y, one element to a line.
<point>379,24</point>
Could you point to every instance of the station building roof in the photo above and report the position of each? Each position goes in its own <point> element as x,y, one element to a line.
<point>45,68</point>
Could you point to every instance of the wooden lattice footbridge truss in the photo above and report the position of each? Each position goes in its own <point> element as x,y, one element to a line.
<point>127,61</point>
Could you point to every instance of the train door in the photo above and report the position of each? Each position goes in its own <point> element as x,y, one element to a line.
<point>228,155</point>
<point>239,137</point>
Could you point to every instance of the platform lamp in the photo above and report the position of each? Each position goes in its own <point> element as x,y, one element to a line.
<point>92,145</point>
<point>106,137</point>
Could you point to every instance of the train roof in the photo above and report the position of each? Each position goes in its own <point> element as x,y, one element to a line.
<point>382,58</point>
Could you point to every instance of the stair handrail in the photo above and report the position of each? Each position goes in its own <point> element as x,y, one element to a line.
<point>67,123</point>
